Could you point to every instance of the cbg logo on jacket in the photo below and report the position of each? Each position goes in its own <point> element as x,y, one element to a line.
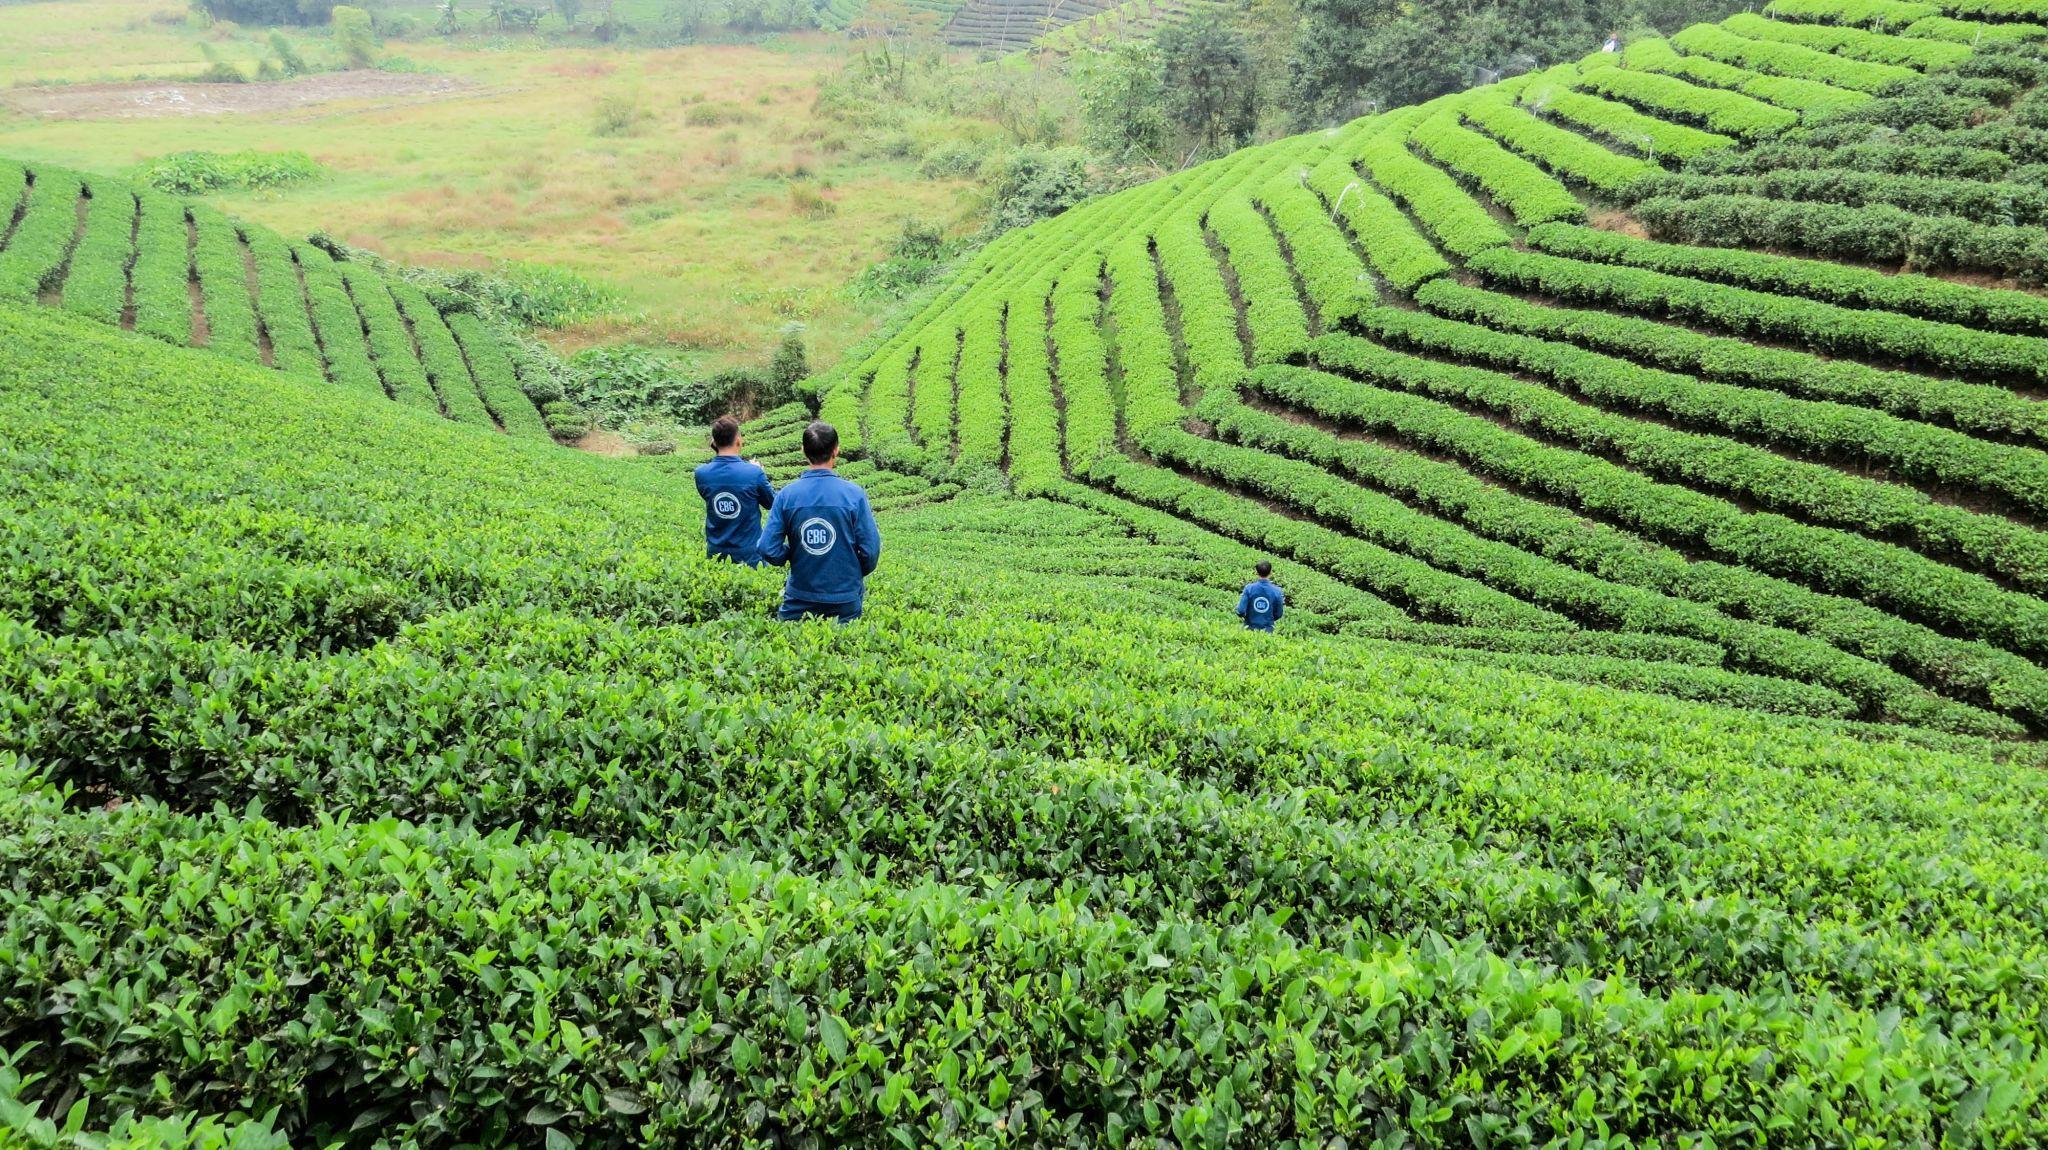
<point>817,536</point>
<point>726,505</point>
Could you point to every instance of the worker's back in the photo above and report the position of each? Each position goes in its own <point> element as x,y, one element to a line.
<point>1261,604</point>
<point>822,527</point>
<point>735,493</point>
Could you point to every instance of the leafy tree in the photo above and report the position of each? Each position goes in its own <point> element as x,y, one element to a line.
<point>1211,84</point>
<point>1350,55</point>
<point>289,62</point>
<point>568,10</point>
<point>266,11</point>
<point>1123,99</point>
<point>353,35</point>
<point>688,17</point>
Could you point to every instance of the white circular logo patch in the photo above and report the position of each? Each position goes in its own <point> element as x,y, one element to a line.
<point>1261,605</point>
<point>817,536</point>
<point>725,505</point>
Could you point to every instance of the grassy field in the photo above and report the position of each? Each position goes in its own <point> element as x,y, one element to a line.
<point>700,212</point>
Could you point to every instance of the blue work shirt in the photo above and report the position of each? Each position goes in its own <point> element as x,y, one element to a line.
<point>1260,605</point>
<point>735,493</point>
<point>823,528</point>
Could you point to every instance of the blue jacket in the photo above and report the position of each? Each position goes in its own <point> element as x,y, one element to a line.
<point>822,526</point>
<point>735,493</point>
<point>1261,604</point>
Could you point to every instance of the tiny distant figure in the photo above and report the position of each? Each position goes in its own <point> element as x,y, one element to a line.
<point>735,493</point>
<point>1262,601</point>
<point>823,528</point>
<point>1613,44</point>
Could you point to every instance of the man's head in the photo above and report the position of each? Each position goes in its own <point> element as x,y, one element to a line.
<point>1263,568</point>
<point>821,444</point>
<point>725,434</point>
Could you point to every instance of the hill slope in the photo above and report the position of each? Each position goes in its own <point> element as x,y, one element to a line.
<point>1443,355</point>
<point>426,784</point>
<point>100,248</point>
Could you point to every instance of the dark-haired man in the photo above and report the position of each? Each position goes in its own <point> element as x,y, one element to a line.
<point>1260,604</point>
<point>823,528</point>
<point>735,493</point>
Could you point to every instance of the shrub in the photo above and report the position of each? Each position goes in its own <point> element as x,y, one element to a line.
<point>1032,184</point>
<point>196,173</point>
<point>806,199</point>
<point>952,160</point>
<point>618,114</point>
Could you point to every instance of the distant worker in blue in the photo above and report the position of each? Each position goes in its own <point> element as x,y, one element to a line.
<point>1262,601</point>
<point>735,493</point>
<point>823,528</point>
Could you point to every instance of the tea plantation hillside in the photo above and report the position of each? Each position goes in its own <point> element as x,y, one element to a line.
<point>103,249</point>
<point>375,779</point>
<point>1477,360</point>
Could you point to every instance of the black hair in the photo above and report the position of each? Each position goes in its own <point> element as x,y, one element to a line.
<point>1263,568</point>
<point>725,431</point>
<point>821,439</point>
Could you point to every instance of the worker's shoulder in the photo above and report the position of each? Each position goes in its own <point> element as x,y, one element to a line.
<point>826,487</point>
<point>728,467</point>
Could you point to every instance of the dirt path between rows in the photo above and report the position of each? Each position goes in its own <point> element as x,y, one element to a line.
<point>152,98</point>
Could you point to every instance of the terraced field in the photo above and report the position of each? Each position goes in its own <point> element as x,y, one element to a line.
<point>1475,366</point>
<point>1011,25</point>
<point>373,778</point>
<point>100,248</point>
<point>1649,755</point>
<point>839,14</point>
<point>1130,19</point>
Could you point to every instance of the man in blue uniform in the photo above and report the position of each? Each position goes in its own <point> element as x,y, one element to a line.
<point>1262,601</point>
<point>823,528</point>
<point>735,493</point>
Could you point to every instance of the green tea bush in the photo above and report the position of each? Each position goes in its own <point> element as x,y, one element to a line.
<point>96,282</point>
<point>1332,275</point>
<point>1822,326</point>
<point>1880,232</point>
<point>390,340</point>
<point>1883,15</point>
<point>1810,98</point>
<point>1265,281</point>
<point>440,356</point>
<point>1854,43</point>
<point>1646,135</point>
<point>336,323</point>
<point>1564,152</point>
<point>1457,221</point>
<point>281,304</point>
<point>1992,203</point>
<point>158,279</point>
<point>1521,187</point>
<point>1931,298</point>
<point>42,237</point>
<point>1795,60</point>
<point>221,266</point>
<point>1729,113</point>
